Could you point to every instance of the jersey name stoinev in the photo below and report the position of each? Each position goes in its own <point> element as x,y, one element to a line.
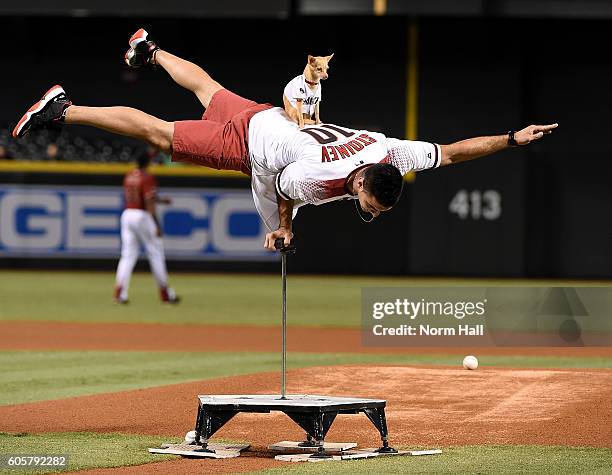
<point>331,153</point>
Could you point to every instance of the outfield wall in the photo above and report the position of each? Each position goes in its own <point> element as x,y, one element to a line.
<point>71,220</point>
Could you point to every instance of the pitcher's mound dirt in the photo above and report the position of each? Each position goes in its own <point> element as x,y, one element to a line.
<point>432,406</point>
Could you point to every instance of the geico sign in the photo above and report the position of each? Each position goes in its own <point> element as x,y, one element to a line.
<point>85,221</point>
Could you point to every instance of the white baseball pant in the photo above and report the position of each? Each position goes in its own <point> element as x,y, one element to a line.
<point>138,228</point>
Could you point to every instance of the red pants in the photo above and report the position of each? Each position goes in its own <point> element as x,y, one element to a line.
<point>220,139</point>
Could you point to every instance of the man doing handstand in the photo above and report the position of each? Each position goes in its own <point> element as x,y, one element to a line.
<point>289,166</point>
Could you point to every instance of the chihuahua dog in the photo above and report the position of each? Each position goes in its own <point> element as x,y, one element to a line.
<point>302,94</point>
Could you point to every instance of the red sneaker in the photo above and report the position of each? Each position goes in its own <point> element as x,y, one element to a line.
<point>168,295</point>
<point>141,51</point>
<point>49,110</point>
<point>118,298</point>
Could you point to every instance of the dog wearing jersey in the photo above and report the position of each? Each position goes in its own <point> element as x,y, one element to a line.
<point>302,95</point>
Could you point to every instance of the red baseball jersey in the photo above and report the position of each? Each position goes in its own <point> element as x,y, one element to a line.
<point>138,185</point>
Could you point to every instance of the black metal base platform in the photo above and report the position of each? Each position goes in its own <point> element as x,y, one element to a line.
<point>314,414</point>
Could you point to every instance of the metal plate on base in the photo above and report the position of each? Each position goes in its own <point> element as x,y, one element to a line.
<point>218,450</point>
<point>293,403</point>
<point>294,447</point>
<point>353,455</point>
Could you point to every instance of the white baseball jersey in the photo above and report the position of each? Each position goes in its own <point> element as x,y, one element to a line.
<point>298,89</point>
<point>311,165</point>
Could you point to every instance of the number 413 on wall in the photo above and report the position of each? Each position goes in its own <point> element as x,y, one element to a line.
<point>476,204</point>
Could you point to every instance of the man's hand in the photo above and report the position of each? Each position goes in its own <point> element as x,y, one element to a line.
<point>533,132</point>
<point>284,233</point>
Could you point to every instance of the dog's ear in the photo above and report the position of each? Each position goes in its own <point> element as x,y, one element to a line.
<point>312,60</point>
<point>329,57</point>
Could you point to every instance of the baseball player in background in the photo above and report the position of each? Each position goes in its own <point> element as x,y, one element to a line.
<point>140,226</point>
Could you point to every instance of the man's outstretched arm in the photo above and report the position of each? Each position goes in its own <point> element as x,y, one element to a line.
<point>285,214</point>
<point>480,146</point>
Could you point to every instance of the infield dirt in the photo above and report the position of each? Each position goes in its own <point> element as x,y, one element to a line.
<point>431,406</point>
<point>158,337</point>
<point>426,406</point>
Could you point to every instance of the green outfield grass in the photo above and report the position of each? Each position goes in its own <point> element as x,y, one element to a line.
<point>207,298</point>
<point>27,376</point>
<point>91,450</point>
<point>84,449</point>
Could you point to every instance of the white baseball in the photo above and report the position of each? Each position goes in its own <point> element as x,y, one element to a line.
<point>470,362</point>
<point>190,437</point>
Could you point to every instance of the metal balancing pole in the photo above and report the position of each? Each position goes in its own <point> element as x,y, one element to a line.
<point>284,337</point>
<point>284,250</point>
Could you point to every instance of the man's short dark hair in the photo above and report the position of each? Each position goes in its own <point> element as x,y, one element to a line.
<point>143,159</point>
<point>384,182</point>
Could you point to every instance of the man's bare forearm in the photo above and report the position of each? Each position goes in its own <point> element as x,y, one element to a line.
<point>481,146</point>
<point>473,148</point>
<point>285,218</point>
<point>285,212</point>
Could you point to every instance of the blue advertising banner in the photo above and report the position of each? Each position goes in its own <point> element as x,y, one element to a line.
<point>79,221</point>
